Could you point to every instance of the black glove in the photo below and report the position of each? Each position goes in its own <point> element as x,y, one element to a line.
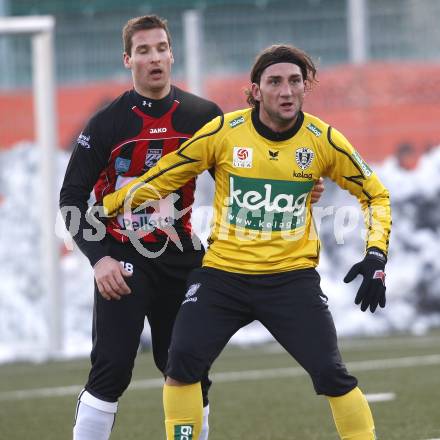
<point>372,290</point>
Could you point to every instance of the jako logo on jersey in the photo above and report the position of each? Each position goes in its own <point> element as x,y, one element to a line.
<point>366,170</point>
<point>242,157</point>
<point>263,204</point>
<point>84,140</point>
<point>189,295</point>
<point>314,129</point>
<point>236,121</point>
<point>127,266</point>
<point>158,130</point>
<point>304,157</point>
<point>183,432</point>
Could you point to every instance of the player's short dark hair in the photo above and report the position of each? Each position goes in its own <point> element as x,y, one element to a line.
<point>281,53</point>
<point>140,24</point>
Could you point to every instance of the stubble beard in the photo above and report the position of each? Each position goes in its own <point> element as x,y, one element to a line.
<point>281,120</point>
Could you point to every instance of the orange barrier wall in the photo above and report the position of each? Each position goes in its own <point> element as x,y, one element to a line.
<point>383,108</point>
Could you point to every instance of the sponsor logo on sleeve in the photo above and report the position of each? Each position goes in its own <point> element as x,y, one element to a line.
<point>84,141</point>
<point>314,129</point>
<point>304,157</point>
<point>366,170</point>
<point>236,121</point>
<point>242,157</point>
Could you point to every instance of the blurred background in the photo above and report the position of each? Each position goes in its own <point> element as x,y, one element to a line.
<point>379,83</point>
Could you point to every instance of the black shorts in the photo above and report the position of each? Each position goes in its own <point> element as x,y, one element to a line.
<point>290,305</point>
<point>158,287</point>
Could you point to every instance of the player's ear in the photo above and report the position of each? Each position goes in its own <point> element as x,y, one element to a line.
<point>256,92</point>
<point>307,87</point>
<point>126,60</point>
<point>171,56</point>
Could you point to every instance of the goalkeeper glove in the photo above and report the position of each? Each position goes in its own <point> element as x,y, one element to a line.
<point>371,293</point>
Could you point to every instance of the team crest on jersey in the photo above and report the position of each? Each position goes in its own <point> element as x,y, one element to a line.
<point>152,157</point>
<point>242,157</point>
<point>304,157</point>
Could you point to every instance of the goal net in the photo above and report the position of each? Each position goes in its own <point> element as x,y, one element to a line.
<point>30,296</point>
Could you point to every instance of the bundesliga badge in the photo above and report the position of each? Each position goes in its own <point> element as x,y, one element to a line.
<point>242,157</point>
<point>304,157</point>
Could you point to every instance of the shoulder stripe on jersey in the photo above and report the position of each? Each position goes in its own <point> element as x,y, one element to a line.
<point>186,159</point>
<point>353,179</point>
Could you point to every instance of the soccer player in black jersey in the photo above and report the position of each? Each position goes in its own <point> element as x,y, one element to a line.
<point>119,143</point>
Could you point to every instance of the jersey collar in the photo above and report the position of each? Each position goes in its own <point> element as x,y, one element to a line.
<point>265,131</point>
<point>154,107</point>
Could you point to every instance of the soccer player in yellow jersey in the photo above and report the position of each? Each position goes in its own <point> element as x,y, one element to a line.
<point>263,248</point>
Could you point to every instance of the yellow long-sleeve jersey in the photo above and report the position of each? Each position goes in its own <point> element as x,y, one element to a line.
<point>262,213</point>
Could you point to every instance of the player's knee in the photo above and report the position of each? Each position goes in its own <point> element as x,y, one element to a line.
<point>206,384</point>
<point>119,375</point>
<point>333,380</point>
<point>174,383</point>
<point>185,367</point>
<point>109,378</point>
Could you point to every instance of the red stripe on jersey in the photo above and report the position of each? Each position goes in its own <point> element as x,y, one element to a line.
<point>135,151</point>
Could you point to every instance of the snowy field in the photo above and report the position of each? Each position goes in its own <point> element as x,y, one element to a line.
<point>413,271</point>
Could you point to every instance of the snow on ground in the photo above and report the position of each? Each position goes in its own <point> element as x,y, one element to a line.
<point>413,271</point>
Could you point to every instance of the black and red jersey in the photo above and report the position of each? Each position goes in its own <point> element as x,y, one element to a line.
<point>121,142</point>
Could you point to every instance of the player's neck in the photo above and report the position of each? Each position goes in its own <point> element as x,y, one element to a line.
<point>268,132</point>
<point>153,107</point>
<point>278,126</point>
<point>153,94</point>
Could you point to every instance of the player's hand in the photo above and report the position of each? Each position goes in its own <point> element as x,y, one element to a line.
<point>371,293</point>
<point>317,190</point>
<point>109,276</point>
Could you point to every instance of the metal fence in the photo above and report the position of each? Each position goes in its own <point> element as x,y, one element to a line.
<point>89,47</point>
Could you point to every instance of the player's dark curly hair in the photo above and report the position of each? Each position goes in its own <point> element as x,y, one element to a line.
<point>281,53</point>
<point>140,24</point>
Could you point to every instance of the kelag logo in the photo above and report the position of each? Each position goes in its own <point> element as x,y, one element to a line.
<point>236,121</point>
<point>183,432</point>
<point>262,204</point>
<point>366,170</point>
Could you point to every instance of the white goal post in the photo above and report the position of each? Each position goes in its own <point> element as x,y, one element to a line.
<point>41,31</point>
